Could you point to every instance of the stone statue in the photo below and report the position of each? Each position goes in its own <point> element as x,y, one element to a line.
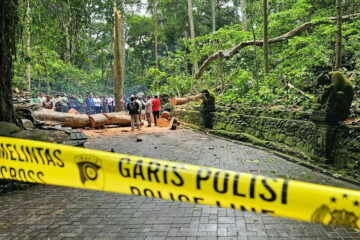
<point>208,107</point>
<point>336,97</point>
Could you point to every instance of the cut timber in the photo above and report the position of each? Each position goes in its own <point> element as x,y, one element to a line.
<point>73,111</point>
<point>162,122</point>
<point>165,114</point>
<point>118,118</point>
<point>173,124</point>
<point>65,119</point>
<point>183,100</point>
<point>97,120</point>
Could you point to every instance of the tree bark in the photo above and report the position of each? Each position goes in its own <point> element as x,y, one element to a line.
<point>228,53</point>
<point>67,55</point>
<point>338,34</point>
<point>118,61</point>
<point>64,119</point>
<point>266,48</point>
<point>97,120</point>
<point>8,26</point>
<point>118,118</point>
<point>156,34</point>
<point>192,35</point>
<point>43,61</point>
<point>243,15</point>
<point>213,15</point>
<point>220,65</point>
<point>28,56</point>
<point>255,73</point>
<point>180,101</point>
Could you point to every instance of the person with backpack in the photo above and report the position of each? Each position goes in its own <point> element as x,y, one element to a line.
<point>133,108</point>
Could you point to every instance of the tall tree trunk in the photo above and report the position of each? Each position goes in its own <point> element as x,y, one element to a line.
<point>243,15</point>
<point>338,34</point>
<point>43,61</point>
<point>220,64</point>
<point>28,56</point>
<point>8,25</point>
<point>156,33</point>
<point>266,48</point>
<point>192,35</point>
<point>213,15</point>
<point>67,55</point>
<point>255,73</point>
<point>118,61</point>
<point>46,73</point>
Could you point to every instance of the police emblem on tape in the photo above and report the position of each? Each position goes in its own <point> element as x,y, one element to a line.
<point>90,168</point>
<point>330,214</point>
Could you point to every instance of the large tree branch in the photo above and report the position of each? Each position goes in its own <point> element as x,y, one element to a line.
<point>228,53</point>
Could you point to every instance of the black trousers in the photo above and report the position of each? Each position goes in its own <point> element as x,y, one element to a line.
<point>156,116</point>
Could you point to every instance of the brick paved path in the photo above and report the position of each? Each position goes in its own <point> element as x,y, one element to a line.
<point>46,212</point>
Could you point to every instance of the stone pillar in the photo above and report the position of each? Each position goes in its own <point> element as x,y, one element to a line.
<point>326,128</point>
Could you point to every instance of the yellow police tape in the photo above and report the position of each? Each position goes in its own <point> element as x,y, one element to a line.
<point>39,162</point>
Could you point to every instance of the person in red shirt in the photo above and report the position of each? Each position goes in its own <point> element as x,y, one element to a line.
<point>156,108</point>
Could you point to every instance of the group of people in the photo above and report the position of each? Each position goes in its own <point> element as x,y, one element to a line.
<point>90,105</point>
<point>136,104</point>
<point>58,103</point>
<point>105,104</point>
<point>102,104</point>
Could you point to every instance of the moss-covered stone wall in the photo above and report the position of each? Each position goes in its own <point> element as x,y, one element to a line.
<point>347,148</point>
<point>291,132</point>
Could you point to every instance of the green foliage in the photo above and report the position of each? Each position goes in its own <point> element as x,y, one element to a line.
<point>88,26</point>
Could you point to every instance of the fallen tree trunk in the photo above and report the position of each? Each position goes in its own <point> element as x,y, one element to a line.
<point>65,119</point>
<point>97,120</point>
<point>183,100</point>
<point>118,118</point>
<point>228,53</point>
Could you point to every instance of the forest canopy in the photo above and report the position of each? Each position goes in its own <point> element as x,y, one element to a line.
<point>71,45</point>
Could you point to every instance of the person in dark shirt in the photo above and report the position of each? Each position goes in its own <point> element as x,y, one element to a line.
<point>89,104</point>
<point>133,108</point>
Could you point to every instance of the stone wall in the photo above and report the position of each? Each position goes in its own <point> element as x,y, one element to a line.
<point>290,132</point>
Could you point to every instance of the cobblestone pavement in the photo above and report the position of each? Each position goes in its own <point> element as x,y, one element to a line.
<point>47,212</point>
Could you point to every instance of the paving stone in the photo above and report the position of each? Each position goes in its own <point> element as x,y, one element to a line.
<point>49,212</point>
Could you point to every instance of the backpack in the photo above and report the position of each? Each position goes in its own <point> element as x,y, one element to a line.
<point>132,108</point>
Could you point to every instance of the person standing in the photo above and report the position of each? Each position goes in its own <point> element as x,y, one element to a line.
<point>97,103</point>
<point>140,105</point>
<point>105,103</point>
<point>40,99</point>
<point>110,100</point>
<point>89,104</point>
<point>156,108</point>
<point>133,108</point>
<point>48,103</point>
<point>148,110</point>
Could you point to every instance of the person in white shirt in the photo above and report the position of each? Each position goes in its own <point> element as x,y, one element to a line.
<point>148,110</point>
<point>40,99</point>
<point>110,101</point>
<point>97,103</point>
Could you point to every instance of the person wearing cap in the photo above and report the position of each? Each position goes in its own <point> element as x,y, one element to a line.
<point>156,108</point>
<point>133,108</point>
